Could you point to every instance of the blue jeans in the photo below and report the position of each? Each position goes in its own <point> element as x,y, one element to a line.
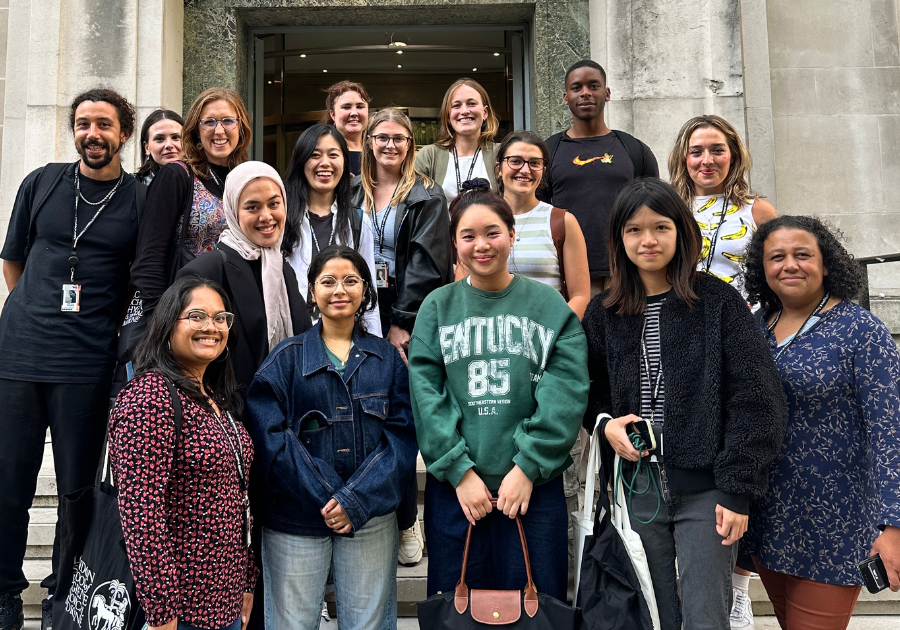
<point>686,523</point>
<point>295,569</point>
<point>183,625</point>
<point>495,553</point>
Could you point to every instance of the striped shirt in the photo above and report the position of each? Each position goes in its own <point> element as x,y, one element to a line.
<point>650,354</point>
<point>533,254</point>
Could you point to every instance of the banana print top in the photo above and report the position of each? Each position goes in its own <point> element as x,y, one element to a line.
<point>724,257</point>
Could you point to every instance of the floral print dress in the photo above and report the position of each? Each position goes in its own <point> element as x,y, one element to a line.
<point>837,477</point>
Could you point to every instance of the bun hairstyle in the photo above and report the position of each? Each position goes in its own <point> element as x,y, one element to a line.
<point>334,92</point>
<point>477,192</point>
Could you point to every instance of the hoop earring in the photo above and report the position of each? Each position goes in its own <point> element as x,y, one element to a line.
<point>220,358</point>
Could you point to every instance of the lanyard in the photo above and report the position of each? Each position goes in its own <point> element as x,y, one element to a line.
<point>715,240</point>
<point>73,256</point>
<point>815,312</point>
<point>237,451</point>
<point>379,232</point>
<point>645,365</point>
<point>471,168</point>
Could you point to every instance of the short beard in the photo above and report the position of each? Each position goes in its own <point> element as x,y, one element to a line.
<point>101,162</point>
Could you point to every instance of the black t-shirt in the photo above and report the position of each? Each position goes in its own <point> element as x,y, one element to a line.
<point>585,177</point>
<point>321,227</point>
<point>38,341</point>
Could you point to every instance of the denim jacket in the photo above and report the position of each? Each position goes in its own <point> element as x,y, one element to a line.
<point>319,436</point>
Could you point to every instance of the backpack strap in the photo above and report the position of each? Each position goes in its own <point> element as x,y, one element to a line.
<point>558,234</point>
<point>356,220</point>
<point>47,181</point>
<point>176,406</point>
<point>140,198</point>
<point>634,149</point>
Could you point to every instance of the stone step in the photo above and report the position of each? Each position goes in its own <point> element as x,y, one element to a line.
<point>41,527</point>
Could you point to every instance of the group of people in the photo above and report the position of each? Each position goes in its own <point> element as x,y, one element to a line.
<point>383,302</point>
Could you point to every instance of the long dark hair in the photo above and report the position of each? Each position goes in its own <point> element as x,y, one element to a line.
<point>370,297</point>
<point>845,277</point>
<point>149,166</point>
<point>627,295</point>
<point>297,188</point>
<point>154,353</point>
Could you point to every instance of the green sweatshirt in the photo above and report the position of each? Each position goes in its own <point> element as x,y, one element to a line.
<point>497,379</point>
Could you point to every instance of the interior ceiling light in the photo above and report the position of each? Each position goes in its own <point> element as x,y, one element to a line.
<point>399,66</point>
<point>324,70</point>
<point>304,56</point>
<point>474,69</point>
<point>496,54</point>
<point>399,52</point>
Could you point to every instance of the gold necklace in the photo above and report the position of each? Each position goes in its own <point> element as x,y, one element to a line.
<point>344,360</point>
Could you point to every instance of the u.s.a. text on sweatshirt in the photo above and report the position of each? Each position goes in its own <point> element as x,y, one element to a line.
<point>497,379</point>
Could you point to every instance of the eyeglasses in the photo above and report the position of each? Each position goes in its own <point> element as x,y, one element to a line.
<point>516,162</point>
<point>210,124</point>
<point>383,140</point>
<point>351,283</point>
<point>199,320</point>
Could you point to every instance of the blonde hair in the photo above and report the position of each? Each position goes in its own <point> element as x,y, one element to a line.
<point>194,155</point>
<point>736,187</point>
<point>445,131</point>
<point>408,172</point>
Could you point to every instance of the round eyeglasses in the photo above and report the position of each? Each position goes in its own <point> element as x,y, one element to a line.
<point>199,320</point>
<point>351,283</point>
<point>383,140</point>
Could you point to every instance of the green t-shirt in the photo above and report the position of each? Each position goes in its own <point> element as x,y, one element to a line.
<point>497,379</point>
<point>335,360</point>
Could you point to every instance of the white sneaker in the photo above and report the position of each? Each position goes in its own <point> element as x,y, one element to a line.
<point>325,614</point>
<point>412,545</point>
<point>741,611</point>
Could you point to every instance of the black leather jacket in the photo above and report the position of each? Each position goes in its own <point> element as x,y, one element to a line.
<point>422,239</point>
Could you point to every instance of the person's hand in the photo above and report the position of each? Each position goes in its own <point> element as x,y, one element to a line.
<point>171,625</point>
<point>336,518</point>
<point>618,437</point>
<point>730,525</point>
<point>399,338</point>
<point>245,610</point>
<point>888,545</point>
<point>515,493</point>
<point>474,497</point>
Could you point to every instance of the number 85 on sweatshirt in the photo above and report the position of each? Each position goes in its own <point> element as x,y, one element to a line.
<point>497,379</point>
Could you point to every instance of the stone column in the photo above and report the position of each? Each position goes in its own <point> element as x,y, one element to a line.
<point>58,48</point>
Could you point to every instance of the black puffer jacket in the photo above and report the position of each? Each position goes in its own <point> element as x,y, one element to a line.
<point>725,410</point>
<point>422,247</point>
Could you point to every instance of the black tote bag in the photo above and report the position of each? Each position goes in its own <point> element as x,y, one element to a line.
<point>517,610</point>
<point>609,592</point>
<point>95,587</point>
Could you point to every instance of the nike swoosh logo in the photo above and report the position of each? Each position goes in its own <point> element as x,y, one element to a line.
<point>579,162</point>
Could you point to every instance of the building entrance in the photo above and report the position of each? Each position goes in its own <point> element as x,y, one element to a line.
<point>405,67</point>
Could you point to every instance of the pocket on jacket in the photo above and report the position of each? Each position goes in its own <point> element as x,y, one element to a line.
<point>315,434</point>
<point>375,412</point>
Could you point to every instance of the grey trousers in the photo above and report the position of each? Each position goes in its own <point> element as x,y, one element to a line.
<point>685,528</point>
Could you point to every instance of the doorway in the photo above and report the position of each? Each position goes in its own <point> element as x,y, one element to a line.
<point>405,67</point>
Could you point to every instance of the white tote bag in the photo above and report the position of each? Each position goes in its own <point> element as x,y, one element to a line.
<point>584,519</point>
<point>621,520</point>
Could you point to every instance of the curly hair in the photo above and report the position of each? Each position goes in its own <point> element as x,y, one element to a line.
<point>124,109</point>
<point>845,278</point>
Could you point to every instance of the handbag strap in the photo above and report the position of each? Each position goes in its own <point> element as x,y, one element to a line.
<point>620,517</point>
<point>461,598</point>
<point>593,467</point>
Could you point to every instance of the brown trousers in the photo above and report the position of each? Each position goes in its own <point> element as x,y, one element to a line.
<point>803,604</point>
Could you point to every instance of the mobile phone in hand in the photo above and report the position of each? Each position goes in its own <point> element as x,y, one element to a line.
<point>873,574</point>
<point>645,431</point>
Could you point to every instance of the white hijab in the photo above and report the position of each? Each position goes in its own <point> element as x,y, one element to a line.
<point>278,311</point>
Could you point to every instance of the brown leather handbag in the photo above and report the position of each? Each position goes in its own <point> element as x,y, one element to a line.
<point>466,609</point>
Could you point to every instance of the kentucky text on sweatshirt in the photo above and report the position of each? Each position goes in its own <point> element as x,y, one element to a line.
<point>498,378</point>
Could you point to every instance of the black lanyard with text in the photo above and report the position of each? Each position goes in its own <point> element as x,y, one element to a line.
<point>800,330</point>
<point>471,168</point>
<point>73,256</point>
<point>238,452</point>
<point>380,232</point>
<point>645,367</point>
<point>316,239</point>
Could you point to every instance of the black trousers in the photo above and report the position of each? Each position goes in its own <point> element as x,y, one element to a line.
<point>77,416</point>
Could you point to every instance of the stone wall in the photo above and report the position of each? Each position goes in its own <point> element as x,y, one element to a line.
<point>835,75</point>
<point>58,48</point>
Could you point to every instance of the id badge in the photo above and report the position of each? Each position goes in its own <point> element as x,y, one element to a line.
<point>381,275</point>
<point>71,298</point>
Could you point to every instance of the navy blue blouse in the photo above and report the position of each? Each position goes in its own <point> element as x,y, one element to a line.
<point>837,477</point>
